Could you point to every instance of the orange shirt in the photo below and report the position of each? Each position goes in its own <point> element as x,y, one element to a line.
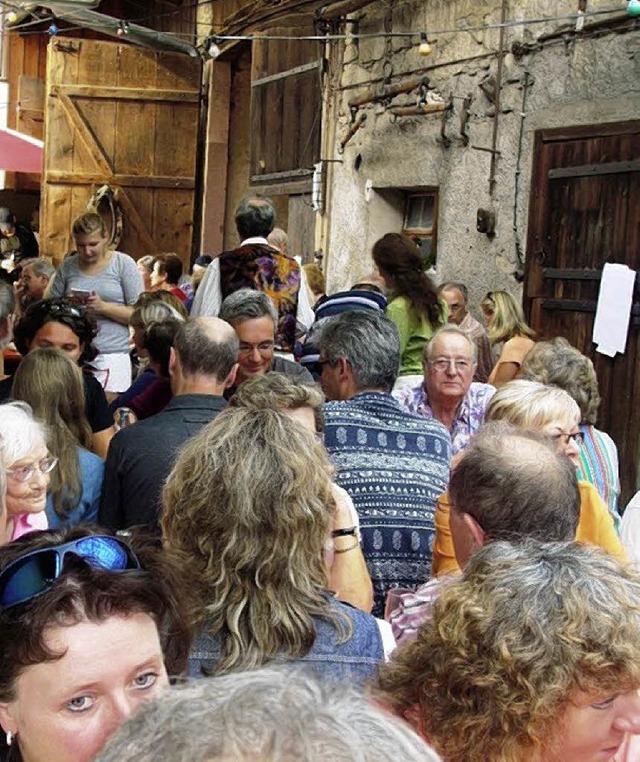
<point>595,527</point>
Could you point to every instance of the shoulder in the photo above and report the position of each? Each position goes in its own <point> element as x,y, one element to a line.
<point>481,393</point>
<point>298,372</point>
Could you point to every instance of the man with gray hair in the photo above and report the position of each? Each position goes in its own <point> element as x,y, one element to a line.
<point>393,464</point>
<point>448,392</point>
<point>258,265</point>
<point>255,320</point>
<point>201,366</point>
<point>457,297</point>
<point>510,484</point>
<point>35,275</point>
<point>7,307</point>
<point>273,714</point>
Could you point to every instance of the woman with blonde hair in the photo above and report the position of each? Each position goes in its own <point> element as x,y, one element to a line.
<point>550,411</point>
<point>249,504</point>
<point>109,283</point>
<point>52,385</point>
<point>534,656</point>
<point>507,327</point>
<point>557,363</point>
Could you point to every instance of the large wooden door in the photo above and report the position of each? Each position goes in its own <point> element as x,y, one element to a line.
<point>125,117</point>
<point>584,212</point>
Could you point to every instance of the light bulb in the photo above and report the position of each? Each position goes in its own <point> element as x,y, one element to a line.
<point>213,50</point>
<point>633,7</point>
<point>53,29</point>
<point>425,48</point>
<point>12,17</point>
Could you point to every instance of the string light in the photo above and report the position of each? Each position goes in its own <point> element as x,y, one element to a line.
<point>633,7</point>
<point>53,29</point>
<point>424,48</point>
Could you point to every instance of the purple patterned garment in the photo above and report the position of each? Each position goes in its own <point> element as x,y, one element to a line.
<point>470,413</point>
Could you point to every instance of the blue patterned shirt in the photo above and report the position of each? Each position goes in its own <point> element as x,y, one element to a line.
<point>469,417</point>
<point>394,465</point>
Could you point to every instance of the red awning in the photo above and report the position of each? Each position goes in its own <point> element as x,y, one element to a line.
<point>19,152</point>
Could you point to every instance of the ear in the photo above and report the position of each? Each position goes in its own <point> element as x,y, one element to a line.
<point>344,369</point>
<point>231,378</point>
<point>478,536</point>
<point>7,720</point>
<point>173,361</point>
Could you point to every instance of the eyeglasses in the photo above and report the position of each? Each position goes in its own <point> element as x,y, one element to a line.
<point>265,347</point>
<point>25,473</point>
<point>35,572</point>
<point>576,436</point>
<point>444,363</point>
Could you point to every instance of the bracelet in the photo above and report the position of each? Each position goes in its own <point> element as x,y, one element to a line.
<point>355,545</point>
<point>345,532</point>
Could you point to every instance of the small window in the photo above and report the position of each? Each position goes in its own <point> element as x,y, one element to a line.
<point>420,223</point>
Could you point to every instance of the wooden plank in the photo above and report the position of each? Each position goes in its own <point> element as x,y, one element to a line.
<point>592,170</point>
<point>173,138</point>
<point>126,181</point>
<point>130,93</point>
<point>302,69</point>
<point>137,223</point>
<point>82,132</point>
<point>555,273</point>
<point>590,131</point>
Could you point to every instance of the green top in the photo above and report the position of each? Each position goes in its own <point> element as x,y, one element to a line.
<point>414,333</point>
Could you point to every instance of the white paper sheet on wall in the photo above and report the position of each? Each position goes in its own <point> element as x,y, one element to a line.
<point>613,311</point>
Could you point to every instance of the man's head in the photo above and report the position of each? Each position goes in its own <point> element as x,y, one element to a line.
<point>7,306</point>
<point>449,362</point>
<point>35,277</point>
<point>359,351</point>
<point>279,240</point>
<point>254,318</point>
<point>511,484</point>
<point>7,222</point>
<point>167,269</point>
<point>203,356</point>
<point>255,217</point>
<point>456,296</point>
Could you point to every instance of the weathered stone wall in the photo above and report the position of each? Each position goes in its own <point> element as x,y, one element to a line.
<point>584,79</point>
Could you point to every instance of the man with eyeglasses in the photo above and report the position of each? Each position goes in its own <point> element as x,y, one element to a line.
<point>448,393</point>
<point>255,319</point>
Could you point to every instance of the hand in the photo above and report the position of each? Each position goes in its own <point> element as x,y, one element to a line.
<point>95,302</point>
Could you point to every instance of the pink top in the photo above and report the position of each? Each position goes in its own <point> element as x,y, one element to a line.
<point>24,523</point>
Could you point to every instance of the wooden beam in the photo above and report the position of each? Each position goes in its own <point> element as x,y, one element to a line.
<point>593,170</point>
<point>343,8</point>
<point>129,93</point>
<point>388,91</point>
<point>124,181</point>
<point>427,108</point>
<point>83,131</point>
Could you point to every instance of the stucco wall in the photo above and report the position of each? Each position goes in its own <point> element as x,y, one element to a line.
<point>579,81</point>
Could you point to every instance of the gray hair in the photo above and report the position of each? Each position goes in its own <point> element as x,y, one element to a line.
<point>270,715</point>
<point>456,331</point>
<point>247,304</point>
<point>203,353</point>
<point>255,216</point>
<point>20,432</point>
<point>41,268</point>
<point>515,485</point>
<point>450,285</point>
<point>279,239</point>
<point>370,343</point>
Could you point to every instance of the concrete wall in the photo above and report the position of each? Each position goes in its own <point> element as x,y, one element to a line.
<point>581,80</point>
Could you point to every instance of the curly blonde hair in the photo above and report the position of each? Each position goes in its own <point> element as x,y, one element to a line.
<point>508,646</point>
<point>508,317</point>
<point>531,405</point>
<point>557,363</point>
<point>249,503</point>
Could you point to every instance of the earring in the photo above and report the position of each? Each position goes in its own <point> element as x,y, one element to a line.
<point>9,738</point>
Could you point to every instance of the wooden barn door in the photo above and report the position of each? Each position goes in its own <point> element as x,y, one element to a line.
<point>125,117</point>
<point>584,212</point>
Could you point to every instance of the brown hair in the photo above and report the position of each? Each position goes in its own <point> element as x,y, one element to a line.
<point>400,262</point>
<point>52,385</point>
<point>315,279</point>
<point>170,265</point>
<point>88,223</point>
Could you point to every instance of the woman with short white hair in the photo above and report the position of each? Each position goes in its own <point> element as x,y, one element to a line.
<point>26,465</point>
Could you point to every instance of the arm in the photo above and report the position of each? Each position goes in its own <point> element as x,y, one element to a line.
<point>119,313</point>
<point>57,285</point>
<point>504,372</point>
<point>304,314</point>
<point>100,441</point>
<point>348,574</point>
<point>400,316</point>
<point>444,556</point>
<point>208,299</point>
<point>93,486</point>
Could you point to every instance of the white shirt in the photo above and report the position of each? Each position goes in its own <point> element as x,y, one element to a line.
<point>208,299</point>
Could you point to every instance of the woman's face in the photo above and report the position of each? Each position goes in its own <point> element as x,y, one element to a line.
<point>59,336</point>
<point>29,496</point>
<point>563,432</point>
<point>488,317</point>
<point>91,247</point>
<point>592,728</point>
<point>146,277</point>
<point>65,709</point>
<point>137,332</point>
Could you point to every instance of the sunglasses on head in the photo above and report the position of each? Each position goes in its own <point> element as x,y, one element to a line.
<point>32,574</point>
<point>64,310</point>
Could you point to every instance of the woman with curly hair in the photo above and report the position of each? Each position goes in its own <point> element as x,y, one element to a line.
<point>413,301</point>
<point>557,363</point>
<point>507,329</point>
<point>533,657</point>
<point>250,505</point>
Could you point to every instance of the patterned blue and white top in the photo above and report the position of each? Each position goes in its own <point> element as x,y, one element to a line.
<point>394,465</point>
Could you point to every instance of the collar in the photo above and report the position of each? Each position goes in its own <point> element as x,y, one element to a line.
<point>464,408</point>
<point>186,401</point>
<point>255,239</point>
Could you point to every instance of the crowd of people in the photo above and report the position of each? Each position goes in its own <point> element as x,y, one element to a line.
<point>242,518</point>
